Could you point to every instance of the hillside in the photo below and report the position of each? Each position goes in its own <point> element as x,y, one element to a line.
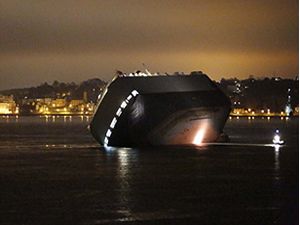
<point>59,90</point>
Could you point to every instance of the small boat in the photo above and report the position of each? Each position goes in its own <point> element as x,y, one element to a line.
<point>277,139</point>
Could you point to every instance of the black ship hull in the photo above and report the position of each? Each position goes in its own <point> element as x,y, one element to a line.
<point>190,110</point>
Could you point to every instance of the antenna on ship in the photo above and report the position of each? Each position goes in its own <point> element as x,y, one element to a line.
<point>147,71</point>
<point>119,73</point>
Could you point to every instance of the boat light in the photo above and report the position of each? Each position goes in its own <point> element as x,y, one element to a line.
<point>277,139</point>
<point>108,133</point>
<point>117,115</point>
<point>123,105</point>
<point>113,122</point>
<point>134,93</point>
<point>119,112</point>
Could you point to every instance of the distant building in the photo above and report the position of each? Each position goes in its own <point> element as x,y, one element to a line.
<point>8,105</point>
<point>62,106</point>
<point>75,103</point>
<point>59,102</point>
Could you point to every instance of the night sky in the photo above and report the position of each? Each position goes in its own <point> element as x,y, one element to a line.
<point>78,40</point>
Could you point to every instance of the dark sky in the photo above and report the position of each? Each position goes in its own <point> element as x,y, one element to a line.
<point>77,40</point>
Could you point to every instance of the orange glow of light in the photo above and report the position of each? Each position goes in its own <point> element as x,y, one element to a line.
<point>199,137</point>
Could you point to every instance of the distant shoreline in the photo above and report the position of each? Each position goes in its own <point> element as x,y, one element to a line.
<point>90,115</point>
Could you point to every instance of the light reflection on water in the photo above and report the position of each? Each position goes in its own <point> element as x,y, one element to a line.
<point>277,149</point>
<point>45,118</point>
<point>124,181</point>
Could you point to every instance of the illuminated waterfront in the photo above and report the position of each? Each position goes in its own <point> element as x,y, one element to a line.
<point>53,172</point>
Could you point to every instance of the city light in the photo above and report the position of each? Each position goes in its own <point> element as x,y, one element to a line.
<point>62,106</point>
<point>4,110</point>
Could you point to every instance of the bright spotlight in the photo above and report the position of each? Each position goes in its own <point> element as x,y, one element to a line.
<point>199,137</point>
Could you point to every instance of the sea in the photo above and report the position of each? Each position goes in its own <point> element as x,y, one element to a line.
<point>52,171</point>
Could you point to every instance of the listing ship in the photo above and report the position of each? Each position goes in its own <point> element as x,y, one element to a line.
<point>143,109</point>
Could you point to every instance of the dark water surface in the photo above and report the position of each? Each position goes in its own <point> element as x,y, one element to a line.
<point>53,172</point>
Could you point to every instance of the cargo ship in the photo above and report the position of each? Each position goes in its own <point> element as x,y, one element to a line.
<point>143,109</point>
